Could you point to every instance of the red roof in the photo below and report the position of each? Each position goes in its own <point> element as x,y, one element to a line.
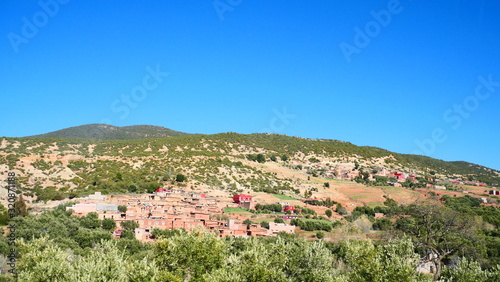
<point>243,195</point>
<point>238,198</point>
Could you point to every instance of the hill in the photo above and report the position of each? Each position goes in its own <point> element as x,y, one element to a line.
<point>110,132</point>
<point>57,168</point>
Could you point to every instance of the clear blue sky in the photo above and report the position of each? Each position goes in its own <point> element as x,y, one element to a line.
<point>401,75</point>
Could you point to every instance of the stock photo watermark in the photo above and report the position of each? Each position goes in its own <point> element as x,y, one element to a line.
<point>455,115</point>
<point>12,198</point>
<point>31,26</point>
<point>363,36</point>
<point>279,121</point>
<point>223,6</point>
<point>123,105</point>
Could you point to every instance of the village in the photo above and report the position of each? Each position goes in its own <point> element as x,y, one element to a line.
<point>174,209</point>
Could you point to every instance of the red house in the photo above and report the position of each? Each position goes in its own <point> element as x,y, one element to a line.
<point>289,208</point>
<point>242,198</point>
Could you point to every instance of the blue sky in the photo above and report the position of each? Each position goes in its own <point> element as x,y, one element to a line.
<point>407,76</point>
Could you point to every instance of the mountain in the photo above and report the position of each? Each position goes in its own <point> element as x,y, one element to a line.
<point>63,166</point>
<point>110,132</point>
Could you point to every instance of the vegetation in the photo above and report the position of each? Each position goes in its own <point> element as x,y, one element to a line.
<point>56,246</point>
<point>313,225</point>
<point>109,132</point>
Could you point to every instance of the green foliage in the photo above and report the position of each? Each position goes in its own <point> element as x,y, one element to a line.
<point>180,178</point>
<point>159,233</point>
<point>43,260</point>
<point>468,270</point>
<point>305,211</point>
<point>20,207</point>
<point>56,246</point>
<point>390,202</point>
<point>264,224</point>
<point>4,215</point>
<point>279,220</point>
<point>382,224</point>
<point>191,256</point>
<point>129,225</point>
<point>329,213</point>
<point>313,225</point>
<point>394,261</point>
<point>364,210</point>
<point>108,224</point>
<point>109,132</point>
<point>91,220</point>
<point>122,208</point>
<point>341,210</point>
<point>320,234</point>
<point>260,158</point>
<point>327,202</point>
<point>441,231</point>
<point>314,160</point>
<point>247,222</point>
<point>127,234</point>
<point>269,208</point>
<point>460,203</point>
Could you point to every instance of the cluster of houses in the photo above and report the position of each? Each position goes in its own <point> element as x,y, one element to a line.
<point>170,209</point>
<point>348,174</point>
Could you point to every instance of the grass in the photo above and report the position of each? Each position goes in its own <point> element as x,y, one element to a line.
<point>375,204</point>
<point>358,197</point>
<point>316,220</point>
<point>235,210</point>
<point>284,197</point>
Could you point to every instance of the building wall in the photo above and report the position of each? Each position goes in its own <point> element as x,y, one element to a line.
<point>281,227</point>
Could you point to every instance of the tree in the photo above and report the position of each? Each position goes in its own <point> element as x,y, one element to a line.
<point>284,158</point>
<point>20,207</point>
<point>340,209</point>
<point>393,261</point>
<point>279,220</point>
<point>108,224</point>
<point>180,178</point>
<point>127,234</point>
<point>118,176</point>
<point>390,202</point>
<point>264,224</point>
<point>132,188</point>
<point>440,232</point>
<point>470,270</point>
<point>382,224</point>
<point>329,213</point>
<point>326,184</point>
<point>247,222</point>
<point>43,260</point>
<point>261,158</point>
<point>356,165</point>
<point>91,220</point>
<point>129,225</point>
<point>189,256</point>
<point>122,208</point>
<point>4,215</point>
<point>320,234</point>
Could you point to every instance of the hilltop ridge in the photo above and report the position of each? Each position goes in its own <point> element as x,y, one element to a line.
<point>110,132</point>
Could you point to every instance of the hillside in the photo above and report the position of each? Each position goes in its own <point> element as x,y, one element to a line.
<point>51,169</point>
<point>109,132</point>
